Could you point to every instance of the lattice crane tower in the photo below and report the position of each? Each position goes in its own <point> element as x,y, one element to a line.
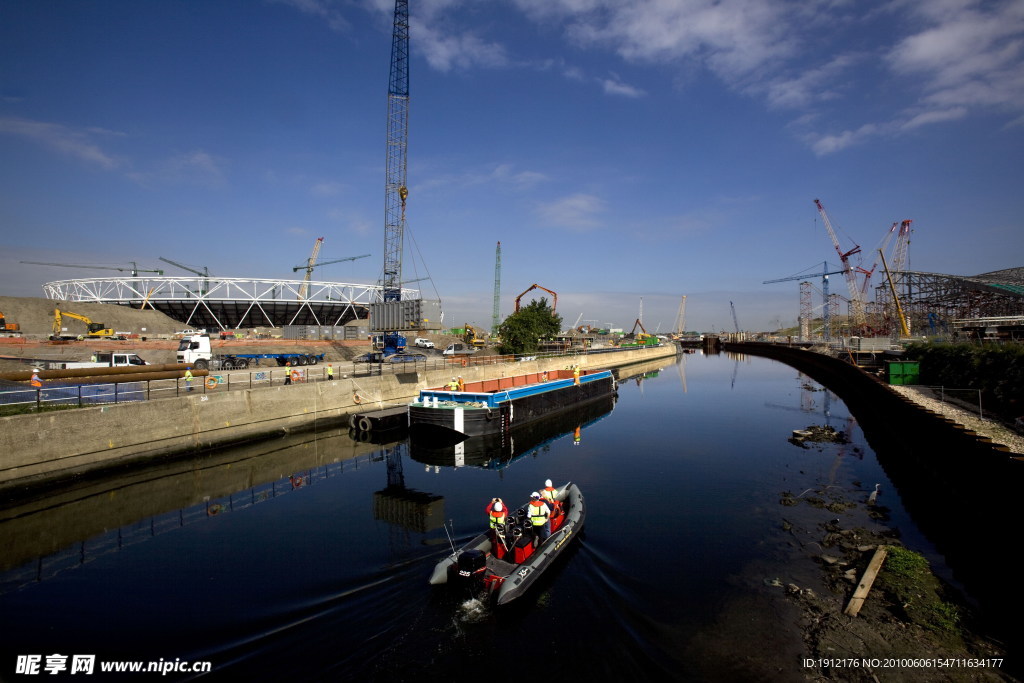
<point>397,148</point>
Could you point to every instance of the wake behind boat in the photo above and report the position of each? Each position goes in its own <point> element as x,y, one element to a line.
<point>504,562</point>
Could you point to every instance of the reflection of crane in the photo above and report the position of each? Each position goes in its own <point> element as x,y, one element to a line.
<point>134,270</point>
<point>856,301</point>
<point>554,297</point>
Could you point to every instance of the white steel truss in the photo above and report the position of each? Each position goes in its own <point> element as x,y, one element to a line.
<point>229,302</point>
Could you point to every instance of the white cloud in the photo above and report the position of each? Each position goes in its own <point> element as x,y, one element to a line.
<point>578,212</point>
<point>327,188</point>
<point>614,86</point>
<point>197,167</point>
<point>446,52</point>
<point>327,10</point>
<point>69,141</point>
<point>828,144</point>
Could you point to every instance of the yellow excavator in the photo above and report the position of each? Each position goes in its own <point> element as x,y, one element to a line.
<point>472,339</point>
<point>95,330</point>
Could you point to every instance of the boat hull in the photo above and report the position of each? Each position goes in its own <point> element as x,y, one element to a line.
<point>513,580</point>
<point>471,419</point>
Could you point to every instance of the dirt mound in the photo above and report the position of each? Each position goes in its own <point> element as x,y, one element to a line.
<point>35,316</point>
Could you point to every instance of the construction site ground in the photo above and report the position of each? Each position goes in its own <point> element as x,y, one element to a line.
<point>35,317</point>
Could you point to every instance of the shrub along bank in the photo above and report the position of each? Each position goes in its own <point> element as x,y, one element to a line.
<point>997,371</point>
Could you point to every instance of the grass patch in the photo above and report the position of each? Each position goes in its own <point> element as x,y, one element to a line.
<point>907,578</point>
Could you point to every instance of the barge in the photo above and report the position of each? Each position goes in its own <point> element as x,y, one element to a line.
<point>496,405</point>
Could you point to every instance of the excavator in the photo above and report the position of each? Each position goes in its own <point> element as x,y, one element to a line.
<point>95,330</point>
<point>641,338</point>
<point>472,339</point>
<point>554,296</point>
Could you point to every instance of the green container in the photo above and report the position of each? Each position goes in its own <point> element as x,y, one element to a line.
<point>904,372</point>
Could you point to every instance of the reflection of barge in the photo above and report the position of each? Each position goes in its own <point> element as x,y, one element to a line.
<point>496,405</point>
<point>498,450</point>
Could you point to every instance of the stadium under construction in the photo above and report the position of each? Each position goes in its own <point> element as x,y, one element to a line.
<point>989,305</point>
<point>228,303</point>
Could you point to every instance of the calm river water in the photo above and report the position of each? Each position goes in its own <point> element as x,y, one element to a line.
<point>307,557</point>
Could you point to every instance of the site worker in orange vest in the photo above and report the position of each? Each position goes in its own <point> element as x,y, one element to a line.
<point>35,381</point>
<point>539,514</point>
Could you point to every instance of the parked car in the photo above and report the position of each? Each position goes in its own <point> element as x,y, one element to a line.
<point>423,343</point>
<point>405,358</point>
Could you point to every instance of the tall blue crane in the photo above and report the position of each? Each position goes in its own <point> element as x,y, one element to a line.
<point>396,192</point>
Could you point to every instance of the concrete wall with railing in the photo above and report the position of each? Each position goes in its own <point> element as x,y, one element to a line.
<point>62,444</point>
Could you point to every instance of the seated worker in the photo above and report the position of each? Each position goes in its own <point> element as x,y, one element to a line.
<point>540,518</point>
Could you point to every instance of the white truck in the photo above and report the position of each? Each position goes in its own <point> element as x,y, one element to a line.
<point>100,359</point>
<point>196,351</point>
<point>458,349</point>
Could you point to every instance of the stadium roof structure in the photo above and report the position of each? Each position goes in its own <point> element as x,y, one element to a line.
<point>956,297</point>
<point>226,303</point>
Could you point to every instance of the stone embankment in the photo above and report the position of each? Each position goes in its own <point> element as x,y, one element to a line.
<point>67,443</point>
<point>992,429</point>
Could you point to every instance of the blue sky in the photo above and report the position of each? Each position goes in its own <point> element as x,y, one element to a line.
<point>618,150</point>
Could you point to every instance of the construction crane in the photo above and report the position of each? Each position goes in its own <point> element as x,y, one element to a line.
<point>554,297</point>
<point>856,299</point>
<point>395,190</point>
<point>681,318</point>
<point>205,273</point>
<point>497,290</point>
<point>134,270</point>
<point>825,272</point>
<point>310,264</point>
<point>904,327</point>
<point>735,321</point>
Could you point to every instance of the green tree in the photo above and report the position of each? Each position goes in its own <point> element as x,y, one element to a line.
<point>521,331</point>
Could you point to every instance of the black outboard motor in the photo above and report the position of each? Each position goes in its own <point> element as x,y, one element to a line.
<point>471,564</point>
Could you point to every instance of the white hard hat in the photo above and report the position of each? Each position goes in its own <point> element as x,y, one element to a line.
<point>534,495</point>
<point>36,370</point>
<point>547,482</point>
<point>498,507</point>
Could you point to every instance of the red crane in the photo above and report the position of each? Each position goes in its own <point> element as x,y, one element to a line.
<point>554,297</point>
<point>856,299</point>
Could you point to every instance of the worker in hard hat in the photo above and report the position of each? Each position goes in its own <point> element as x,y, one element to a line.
<point>453,385</point>
<point>35,381</point>
<point>540,518</point>
<point>188,378</point>
<point>497,514</point>
<point>330,372</point>
<point>461,384</point>
<point>549,494</point>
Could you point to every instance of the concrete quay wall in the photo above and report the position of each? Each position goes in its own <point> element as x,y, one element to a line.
<point>62,444</point>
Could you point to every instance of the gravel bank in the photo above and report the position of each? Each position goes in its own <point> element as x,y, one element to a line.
<point>993,429</point>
